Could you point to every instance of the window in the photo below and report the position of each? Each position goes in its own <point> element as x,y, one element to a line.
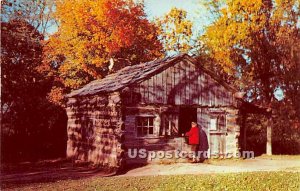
<point>169,125</point>
<point>218,123</point>
<point>213,124</point>
<point>144,126</point>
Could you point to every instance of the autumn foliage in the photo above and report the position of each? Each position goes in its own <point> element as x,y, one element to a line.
<point>252,40</point>
<point>91,33</point>
<point>253,45</point>
<point>257,44</point>
<point>175,31</point>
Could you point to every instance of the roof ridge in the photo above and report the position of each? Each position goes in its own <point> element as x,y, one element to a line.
<point>142,68</point>
<point>137,73</point>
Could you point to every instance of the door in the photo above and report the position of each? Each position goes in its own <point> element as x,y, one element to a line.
<point>186,116</point>
<point>217,144</point>
<point>217,134</point>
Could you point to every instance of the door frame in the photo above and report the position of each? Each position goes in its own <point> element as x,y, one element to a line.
<point>193,117</point>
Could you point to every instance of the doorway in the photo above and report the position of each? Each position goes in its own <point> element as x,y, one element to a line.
<point>186,116</point>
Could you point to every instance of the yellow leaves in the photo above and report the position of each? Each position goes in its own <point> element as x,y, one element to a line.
<point>233,29</point>
<point>252,39</point>
<point>175,30</point>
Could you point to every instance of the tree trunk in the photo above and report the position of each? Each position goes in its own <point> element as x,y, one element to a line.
<point>269,137</point>
<point>244,132</point>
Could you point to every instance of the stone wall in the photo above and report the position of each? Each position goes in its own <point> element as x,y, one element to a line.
<point>95,129</point>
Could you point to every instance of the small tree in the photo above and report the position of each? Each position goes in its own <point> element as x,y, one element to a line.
<point>175,31</point>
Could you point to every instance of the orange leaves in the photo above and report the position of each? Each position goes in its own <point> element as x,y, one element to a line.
<point>56,95</point>
<point>91,32</point>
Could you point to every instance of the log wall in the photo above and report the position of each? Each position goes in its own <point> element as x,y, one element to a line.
<point>95,129</point>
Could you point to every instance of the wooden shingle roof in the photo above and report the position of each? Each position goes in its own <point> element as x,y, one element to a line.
<point>126,76</point>
<point>133,74</point>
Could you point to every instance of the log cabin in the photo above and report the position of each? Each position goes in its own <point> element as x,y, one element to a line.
<point>151,105</point>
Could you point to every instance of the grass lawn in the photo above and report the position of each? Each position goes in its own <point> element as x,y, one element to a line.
<point>280,157</point>
<point>233,181</point>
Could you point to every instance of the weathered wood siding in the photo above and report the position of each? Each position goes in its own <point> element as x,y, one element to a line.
<point>221,141</point>
<point>157,142</point>
<point>101,128</point>
<point>181,84</point>
<point>95,129</point>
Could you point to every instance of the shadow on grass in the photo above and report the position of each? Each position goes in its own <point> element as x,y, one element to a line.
<point>18,175</point>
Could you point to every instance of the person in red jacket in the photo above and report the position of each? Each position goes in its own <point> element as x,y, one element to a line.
<point>194,141</point>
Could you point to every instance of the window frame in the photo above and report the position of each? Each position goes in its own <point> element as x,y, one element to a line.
<point>166,119</point>
<point>148,126</point>
<point>217,116</point>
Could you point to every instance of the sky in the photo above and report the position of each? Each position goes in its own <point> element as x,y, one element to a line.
<point>195,10</point>
<point>156,8</point>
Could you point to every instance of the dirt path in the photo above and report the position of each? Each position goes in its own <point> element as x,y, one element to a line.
<point>249,165</point>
